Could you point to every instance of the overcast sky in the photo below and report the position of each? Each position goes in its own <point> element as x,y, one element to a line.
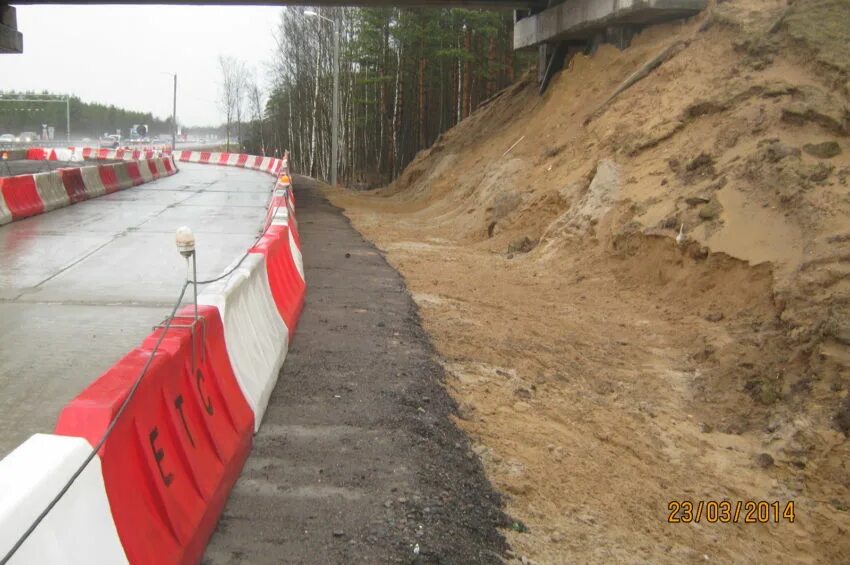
<point>115,54</point>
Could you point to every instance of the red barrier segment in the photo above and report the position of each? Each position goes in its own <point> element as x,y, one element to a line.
<point>205,157</point>
<point>21,196</point>
<point>223,158</point>
<point>185,155</point>
<point>133,171</point>
<point>36,154</point>
<point>179,447</point>
<point>108,178</point>
<point>243,158</point>
<point>74,185</point>
<point>258,161</point>
<point>286,285</point>
<point>167,163</point>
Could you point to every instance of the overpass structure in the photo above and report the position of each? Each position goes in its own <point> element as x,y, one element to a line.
<point>551,26</point>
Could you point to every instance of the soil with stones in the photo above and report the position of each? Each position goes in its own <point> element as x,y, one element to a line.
<point>358,459</point>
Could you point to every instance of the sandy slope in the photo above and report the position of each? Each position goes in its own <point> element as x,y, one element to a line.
<point>602,369</point>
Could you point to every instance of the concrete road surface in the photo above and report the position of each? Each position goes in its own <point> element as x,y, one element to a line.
<point>81,286</point>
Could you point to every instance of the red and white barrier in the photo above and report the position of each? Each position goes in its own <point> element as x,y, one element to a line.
<point>161,479</point>
<point>255,334</point>
<point>173,457</point>
<point>29,195</point>
<point>94,153</point>
<point>80,528</point>
<point>269,165</point>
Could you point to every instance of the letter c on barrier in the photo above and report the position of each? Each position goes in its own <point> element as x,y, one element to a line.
<point>199,376</point>
<point>159,455</point>
<point>178,403</point>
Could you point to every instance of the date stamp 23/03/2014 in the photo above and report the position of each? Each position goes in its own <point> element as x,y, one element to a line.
<point>730,512</point>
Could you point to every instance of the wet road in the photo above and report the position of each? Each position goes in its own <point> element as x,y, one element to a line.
<point>82,285</point>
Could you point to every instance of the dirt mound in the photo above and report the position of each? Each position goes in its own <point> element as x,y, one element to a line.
<point>645,297</point>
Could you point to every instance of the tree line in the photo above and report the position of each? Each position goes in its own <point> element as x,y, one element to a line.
<point>406,76</point>
<point>87,119</point>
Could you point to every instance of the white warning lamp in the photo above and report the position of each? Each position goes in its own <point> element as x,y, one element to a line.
<point>185,241</point>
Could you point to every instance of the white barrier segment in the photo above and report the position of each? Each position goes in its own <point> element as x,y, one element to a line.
<point>255,336</point>
<point>145,171</point>
<point>233,159</point>
<point>93,182</point>
<point>124,180</point>
<point>264,165</point>
<point>51,190</point>
<point>280,216</point>
<point>296,254</point>
<point>160,167</point>
<point>5,214</point>
<point>64,154</point>
<point>79,529</point>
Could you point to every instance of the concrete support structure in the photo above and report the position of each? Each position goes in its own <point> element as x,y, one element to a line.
<point>11,40</point>
<point>584,20</point>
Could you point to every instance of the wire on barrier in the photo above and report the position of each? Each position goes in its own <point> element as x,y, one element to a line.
<point>135,386</point>
<point>103,438</point>
<point>241,259</point>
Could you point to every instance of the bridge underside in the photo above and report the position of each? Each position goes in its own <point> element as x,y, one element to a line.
<point>11,40</point>
<point>555,27</point>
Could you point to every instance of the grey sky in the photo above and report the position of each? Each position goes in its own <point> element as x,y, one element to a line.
<point>115,54</point>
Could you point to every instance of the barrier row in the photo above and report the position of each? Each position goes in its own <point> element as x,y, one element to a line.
<point>271,165</point>
<point>156,488</point>
<point>23,196</point>
<point>92,153</point>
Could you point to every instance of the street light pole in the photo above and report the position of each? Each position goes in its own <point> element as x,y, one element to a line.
<point>335,118</point>
<point>174,117</point>
<point>173,112</point>
<point>68,117</point>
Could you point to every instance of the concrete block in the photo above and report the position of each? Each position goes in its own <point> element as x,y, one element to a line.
<point>582,19</point>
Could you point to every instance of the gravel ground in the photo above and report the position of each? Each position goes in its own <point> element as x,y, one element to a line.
<point>358,460</point>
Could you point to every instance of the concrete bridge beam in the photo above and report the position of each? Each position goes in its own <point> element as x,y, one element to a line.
<point>11,40</point>
<point>576,20</point>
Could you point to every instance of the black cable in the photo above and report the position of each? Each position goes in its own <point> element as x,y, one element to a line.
<point>244,256</point>
<point>103,438</point>
<point>124,404</point>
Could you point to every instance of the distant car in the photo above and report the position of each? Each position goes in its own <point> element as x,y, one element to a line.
<point>7,138</point>
<point>86,140</point>
<point>110,142</point>
<point>27,137</point>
